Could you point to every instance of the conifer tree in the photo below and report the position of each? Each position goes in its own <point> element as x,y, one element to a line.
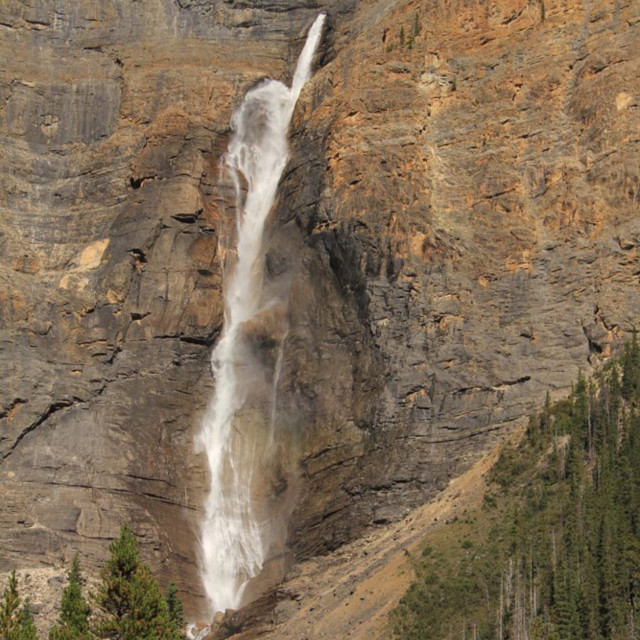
<point>16,622</point>
<point>416,25</point>
<point>631,367</point>
<point>565,605</point>
<point>73,623</point>
<point>175,607</point>
<point>129,597</point>
<point>26,627</point>
<point>10,606</point>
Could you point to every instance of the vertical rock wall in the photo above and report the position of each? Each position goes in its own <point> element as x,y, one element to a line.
<point>466,204</point>
<point>113,116</point>
<point>460,222</point>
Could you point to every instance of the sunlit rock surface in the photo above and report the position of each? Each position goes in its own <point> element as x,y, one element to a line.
<point>460,220</point>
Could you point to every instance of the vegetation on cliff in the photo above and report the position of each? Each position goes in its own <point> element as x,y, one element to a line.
<point>554,553</point>
<point>16,621</point>
<point>128,603</point>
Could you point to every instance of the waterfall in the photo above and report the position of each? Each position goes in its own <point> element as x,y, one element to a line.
<point>240,519</point>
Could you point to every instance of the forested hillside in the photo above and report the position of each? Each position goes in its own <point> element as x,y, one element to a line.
<point>554,552</point>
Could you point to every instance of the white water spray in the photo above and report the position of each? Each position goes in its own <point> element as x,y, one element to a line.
<point>238,524</point>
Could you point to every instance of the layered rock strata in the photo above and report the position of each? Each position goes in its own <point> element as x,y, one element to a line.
<point>469,200</point>
<point>459,223</point>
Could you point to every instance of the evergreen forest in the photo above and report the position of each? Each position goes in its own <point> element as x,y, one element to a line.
<point>554,551</point>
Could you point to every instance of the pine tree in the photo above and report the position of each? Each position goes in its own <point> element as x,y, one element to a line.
<point>16,622</point>
<point>565,607</point>
<point>26,629</point>
<point>73,623</point>
<point>10,607</point>
<point>175,607</point>
<point>129,597</point>
<point>416,25</point>
<point>631,368</point>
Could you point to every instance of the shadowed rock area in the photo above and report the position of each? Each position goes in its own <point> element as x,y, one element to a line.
<point>470,203</point>
<point>460,224</point>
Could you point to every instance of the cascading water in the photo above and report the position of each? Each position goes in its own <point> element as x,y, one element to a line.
<point>238,435</point>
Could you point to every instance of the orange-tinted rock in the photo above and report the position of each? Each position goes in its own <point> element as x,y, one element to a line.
<point>459,223</point>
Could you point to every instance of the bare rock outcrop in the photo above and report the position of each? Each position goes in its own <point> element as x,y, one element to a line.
<point>466,204</point>
<point>459,222</point>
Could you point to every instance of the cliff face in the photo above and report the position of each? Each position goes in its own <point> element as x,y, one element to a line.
<point>474,225</point>
<point>460,221</point>
<point>113,117</point>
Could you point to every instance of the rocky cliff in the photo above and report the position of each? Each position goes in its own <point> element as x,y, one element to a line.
<point>459,222</point>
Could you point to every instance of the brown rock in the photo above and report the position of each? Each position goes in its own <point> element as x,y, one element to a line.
<point>458,226</point>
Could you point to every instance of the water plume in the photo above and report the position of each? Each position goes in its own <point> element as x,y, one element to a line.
<point>243,511</point>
